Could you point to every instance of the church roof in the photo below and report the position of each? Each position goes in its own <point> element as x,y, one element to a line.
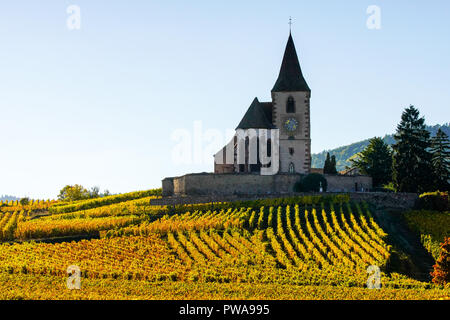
<point>268,109</point>
<point>256,116</point>
<point>291,76</point>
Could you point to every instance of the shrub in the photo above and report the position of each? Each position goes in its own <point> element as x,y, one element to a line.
<point>441,274</point>
<point>311,183</point>
<point>24,201</point>
<point>434,201</point>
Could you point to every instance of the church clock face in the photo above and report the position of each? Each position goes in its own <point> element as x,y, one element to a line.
<point>291,124</point>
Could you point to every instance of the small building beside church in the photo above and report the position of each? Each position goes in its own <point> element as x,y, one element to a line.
<point>288,114</point>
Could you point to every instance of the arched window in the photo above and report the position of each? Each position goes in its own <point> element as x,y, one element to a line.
<point>291,168</point>
<point>290,105</point>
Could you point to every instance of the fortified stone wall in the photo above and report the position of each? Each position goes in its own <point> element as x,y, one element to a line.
<point>229,184</point>
<point>253,184</point>
<point>167,187</point>
<point>337,183</point>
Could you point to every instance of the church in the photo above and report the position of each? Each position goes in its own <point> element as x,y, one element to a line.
<point>288,112</point>
<point>271,149</point>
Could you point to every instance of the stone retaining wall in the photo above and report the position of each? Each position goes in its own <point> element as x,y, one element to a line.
<point>379,199</point>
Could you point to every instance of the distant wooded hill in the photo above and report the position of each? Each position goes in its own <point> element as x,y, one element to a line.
<point>344,154</point>
<point>6,197</point>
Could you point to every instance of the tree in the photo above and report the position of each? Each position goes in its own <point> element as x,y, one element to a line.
<point>94,193</point>
<point>73,193</point>
<point>412,167</point>
<point>375,161</point>
<point>441,274</point>
<point>24,201</point>
<point>333,165</point>
<point>330,165</point>
<point>440,150</point>
<point>327,165</point>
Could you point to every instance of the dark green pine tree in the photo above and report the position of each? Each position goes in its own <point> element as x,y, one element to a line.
<point>375,161</point>
<point>440,150</point>
<point>333,165</point>
<point>412,167</point>
<point>327,165</point>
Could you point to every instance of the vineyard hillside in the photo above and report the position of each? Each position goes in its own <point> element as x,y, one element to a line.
<point>310,247</point>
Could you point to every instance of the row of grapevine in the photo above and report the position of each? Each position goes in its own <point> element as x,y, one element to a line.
<point>334,239</point>
<point>126,258</point>
<point>103,201</point>
<point>189,221</point>
<point>38,228</point>
<point>140,206</point>
<point>31,205</point>
<point>9,222</point>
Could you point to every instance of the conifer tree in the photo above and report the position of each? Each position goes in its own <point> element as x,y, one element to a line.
<point>412,167</point>
<point>326,167</point>
<point>375,161</point>
<point>333,165</point>
<point>440,150</point>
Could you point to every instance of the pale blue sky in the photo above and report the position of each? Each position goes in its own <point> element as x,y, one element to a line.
<point>97,106</point>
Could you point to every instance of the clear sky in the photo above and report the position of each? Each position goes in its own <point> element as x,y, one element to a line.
<point>98,106</point>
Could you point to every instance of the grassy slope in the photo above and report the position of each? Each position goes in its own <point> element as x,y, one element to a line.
<point>431,226</point>
<point>408,256</point>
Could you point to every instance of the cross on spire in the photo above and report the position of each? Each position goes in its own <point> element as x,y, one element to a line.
<point>290,23</point>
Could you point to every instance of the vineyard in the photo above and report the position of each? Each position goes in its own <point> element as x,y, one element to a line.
<point>323,245</point>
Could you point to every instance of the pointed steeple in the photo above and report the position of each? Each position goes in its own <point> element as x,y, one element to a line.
<point>255,117</point>
<point>291,76</point>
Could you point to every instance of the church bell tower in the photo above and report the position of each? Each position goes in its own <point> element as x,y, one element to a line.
<point>291,114</point>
